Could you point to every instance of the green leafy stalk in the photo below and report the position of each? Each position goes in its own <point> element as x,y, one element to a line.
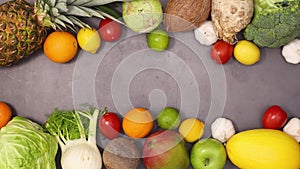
<point>73,124</point>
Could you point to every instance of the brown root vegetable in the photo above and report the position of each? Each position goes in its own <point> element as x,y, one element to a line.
<point>185,15</point>
<point>230,17</point>
<point>121,153</point>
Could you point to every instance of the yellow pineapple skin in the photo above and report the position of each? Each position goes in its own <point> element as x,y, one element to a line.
<point>20,33</point>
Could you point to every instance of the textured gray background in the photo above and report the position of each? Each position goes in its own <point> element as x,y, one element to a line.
<point>35,86</point>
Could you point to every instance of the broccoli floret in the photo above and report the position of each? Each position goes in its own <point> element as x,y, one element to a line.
<point>275,23</point>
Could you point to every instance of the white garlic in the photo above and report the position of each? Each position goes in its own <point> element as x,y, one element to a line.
<point>293,128</point>
<point>222,129</point>
<point>205,34</point>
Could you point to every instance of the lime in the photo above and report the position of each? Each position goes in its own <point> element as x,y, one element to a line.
<point>168,118</point>
<point>191,129</point>
<point>158,40</point>
<point>89,39</point>
<point>246,52</point>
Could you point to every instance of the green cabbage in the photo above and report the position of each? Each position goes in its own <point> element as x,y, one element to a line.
<point>142,16</point>
<point>25,145</point>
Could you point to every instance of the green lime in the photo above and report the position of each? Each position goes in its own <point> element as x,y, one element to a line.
<point>158,40</point>
<point>168,118</point>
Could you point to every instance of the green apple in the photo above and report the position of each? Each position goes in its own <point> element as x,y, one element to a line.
<point>158,40</point>
<point>168,118</point>
<point>208,153</point>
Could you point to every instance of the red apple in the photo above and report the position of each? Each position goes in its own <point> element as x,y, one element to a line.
<point>165,149</point>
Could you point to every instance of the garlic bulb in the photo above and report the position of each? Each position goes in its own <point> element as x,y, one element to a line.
<point>205,34</point>
<point>291,52</point>
<point>293,128</point>
<point>222,129</point>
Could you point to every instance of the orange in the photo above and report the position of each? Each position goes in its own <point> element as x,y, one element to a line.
<point>60,47</point>
<point>5,114</point>
<point>137,123</point>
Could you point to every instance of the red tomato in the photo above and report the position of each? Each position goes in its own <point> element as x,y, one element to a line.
<point>110,30</point>
<point>221,52</point>
<point>110,125</point>
<point>274,118</point>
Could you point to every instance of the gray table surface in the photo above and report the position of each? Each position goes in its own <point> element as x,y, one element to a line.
<point>126,73</point>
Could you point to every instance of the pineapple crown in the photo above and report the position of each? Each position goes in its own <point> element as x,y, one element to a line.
<point>62,14</point>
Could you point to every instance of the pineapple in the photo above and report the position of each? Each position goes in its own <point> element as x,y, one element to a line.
<point>23,28</point>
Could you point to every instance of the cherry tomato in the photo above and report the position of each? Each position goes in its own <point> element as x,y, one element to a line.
<point>221,52</point>
<point>274,117</point>
<point>110,125</point>
<point>110,30</point>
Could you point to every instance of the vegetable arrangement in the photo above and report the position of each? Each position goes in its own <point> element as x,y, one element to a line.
<point>271,23</point>
<point>75,132</point>
<point>27,25</point>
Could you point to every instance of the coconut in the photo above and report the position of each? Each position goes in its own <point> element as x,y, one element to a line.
<point>121,153</point>
<point>186,15</point>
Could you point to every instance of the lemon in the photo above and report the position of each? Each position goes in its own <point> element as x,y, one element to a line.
<point>89,39</point>
<point>246,52</point>
<point>191,129</point>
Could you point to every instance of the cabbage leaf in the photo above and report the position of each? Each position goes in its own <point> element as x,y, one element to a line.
<point>24,144</point>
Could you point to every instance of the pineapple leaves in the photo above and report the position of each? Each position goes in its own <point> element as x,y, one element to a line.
<point>101,2</point>
<point>64,14</point>
<point>59,23</point>
<point>78,22</point>
<point>84,12</point>
<point>92,12</point>
<point>76,11</point>
<point>65,22</point>
<point>55,12</point>
<point>49,2</point>
<point>61,6</point>
<point>65,19</point>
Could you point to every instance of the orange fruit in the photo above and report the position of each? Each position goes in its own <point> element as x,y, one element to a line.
<point>60,47</point>
<point>137,123</point>
<point>5,114</point>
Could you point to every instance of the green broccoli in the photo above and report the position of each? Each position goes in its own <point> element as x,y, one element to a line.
<point>275,23</point>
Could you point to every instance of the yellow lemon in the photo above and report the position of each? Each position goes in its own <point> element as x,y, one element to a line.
<point>246,52</point>
<point>89,39</point>
<point>191,129</point>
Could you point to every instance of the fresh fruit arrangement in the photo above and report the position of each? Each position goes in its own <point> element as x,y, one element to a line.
<point>57,26</point>
<point>27,25</point>
<point>75,132</point>
<point>212,19</point>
